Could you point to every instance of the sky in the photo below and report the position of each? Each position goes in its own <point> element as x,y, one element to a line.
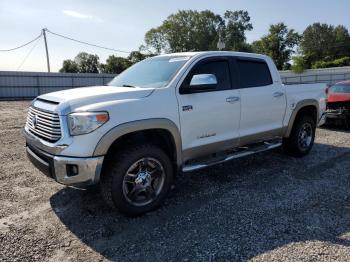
<point>122,24</point>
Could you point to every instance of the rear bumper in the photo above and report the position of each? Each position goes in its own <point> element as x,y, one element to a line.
<point>71,171</point>
<point>334,114</point>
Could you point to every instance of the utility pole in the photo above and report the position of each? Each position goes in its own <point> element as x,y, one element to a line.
<point>47,51</point>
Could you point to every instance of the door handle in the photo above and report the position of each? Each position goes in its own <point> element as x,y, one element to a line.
<point>232,99</point>
<point>278,94</point>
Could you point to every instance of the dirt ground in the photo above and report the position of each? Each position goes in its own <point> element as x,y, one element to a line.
<point>266,207</point>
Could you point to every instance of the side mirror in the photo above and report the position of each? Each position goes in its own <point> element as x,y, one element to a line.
<point>202,83</point>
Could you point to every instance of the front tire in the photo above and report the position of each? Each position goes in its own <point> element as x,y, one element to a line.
<point>302,137</point>
<point>137,179</point>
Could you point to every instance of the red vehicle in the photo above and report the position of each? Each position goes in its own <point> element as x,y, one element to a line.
<point>338,103</point>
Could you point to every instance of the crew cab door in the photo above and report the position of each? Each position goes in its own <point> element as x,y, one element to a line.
<point>263,100</point>
<point>209,118</point>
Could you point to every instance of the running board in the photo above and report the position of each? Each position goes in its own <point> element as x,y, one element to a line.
<point>239,152</point>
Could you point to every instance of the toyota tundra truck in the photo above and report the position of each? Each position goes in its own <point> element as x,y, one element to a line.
<point>168,114</point>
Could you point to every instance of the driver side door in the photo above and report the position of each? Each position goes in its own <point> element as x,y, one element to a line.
<point>209,118</point>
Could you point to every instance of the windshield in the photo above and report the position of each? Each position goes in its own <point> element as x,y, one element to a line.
<point>340,89</point>
<point>153,72</point>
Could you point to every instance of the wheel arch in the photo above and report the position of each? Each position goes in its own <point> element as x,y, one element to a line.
<point>304,107</point>
<point>162,130</point>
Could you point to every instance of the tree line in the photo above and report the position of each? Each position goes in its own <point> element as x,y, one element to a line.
<point>90,63</point>
<point>319,46</point>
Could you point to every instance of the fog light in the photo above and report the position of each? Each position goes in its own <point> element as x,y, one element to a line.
<point>72,170</point>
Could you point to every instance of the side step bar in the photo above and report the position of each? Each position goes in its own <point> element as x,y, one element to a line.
<point>240,152</point>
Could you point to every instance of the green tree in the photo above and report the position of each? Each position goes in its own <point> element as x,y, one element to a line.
<point>69,66</point>
<point>82,63</point>
<point>115,65</point>
<point>323,45</point>
<point>87,63</point>
<point>342,39</point>
<point>137,56</point>
<point>234,28</point>
<point>154,38</point>
<point>317,43</point>
<point>299,64</point>
<point>324,42</point>
<point>279,44</point>
<point>345,61</point>
<point>189,30</point>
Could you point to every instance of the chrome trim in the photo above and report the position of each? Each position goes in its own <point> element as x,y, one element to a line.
<point>278,94</point>
<point>53,116</point>
<point>43,124</point>
<point>54,148</point>
<point>232,99</point>
<point>189,168</point>
<point>51,148</point>
<point>89,170</point>
<point>203,79</point>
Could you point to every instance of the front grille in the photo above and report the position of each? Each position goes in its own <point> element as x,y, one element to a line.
<point>45,125</point>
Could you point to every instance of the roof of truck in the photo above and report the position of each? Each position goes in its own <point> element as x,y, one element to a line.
<point>232,53</point>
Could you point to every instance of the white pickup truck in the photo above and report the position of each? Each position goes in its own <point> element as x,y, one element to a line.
<point>169,113</point>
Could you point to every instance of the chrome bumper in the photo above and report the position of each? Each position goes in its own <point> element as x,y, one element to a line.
<point>88,169</point>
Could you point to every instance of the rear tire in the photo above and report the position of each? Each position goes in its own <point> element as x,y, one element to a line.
<point>302,137</point>
<point>137,179</point>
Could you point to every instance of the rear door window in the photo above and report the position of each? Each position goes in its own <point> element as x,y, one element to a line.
<point>253,73</point>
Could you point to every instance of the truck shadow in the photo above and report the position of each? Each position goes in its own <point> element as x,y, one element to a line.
<point>235,211</point>
<point>335,127</point>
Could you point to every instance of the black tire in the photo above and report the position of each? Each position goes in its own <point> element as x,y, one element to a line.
<point>347,122</point>
<point>113,185</point>
<point>293,145</point>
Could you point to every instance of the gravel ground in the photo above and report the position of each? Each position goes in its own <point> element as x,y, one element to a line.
<point>266,207</point>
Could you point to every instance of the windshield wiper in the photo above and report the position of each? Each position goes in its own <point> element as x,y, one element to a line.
<point>129,86</point>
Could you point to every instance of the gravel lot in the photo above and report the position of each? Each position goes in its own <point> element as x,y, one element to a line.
<point>267,207</point>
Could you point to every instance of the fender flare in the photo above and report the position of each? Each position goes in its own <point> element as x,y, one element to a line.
<point>116,132</point>
<point>298,107</point>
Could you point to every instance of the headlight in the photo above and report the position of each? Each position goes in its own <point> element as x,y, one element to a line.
<point>86,122</point>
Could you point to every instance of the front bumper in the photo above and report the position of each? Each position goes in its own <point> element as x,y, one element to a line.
<point>87,169</point>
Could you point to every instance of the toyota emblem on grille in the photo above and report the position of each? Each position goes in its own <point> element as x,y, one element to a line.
<point>35,121</point>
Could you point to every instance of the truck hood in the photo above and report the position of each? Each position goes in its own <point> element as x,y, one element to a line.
<point>338,97</point>
<point>95,94</point>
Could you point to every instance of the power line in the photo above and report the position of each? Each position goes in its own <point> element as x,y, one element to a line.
<point>82,42</point>
<point>18,47</point>
<point>30,51</point>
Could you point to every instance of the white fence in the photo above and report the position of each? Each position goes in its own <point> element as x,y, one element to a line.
<point>326,75</point>
<point>27,85</point>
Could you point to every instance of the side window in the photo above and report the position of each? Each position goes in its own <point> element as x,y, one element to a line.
<point>254,73</point>
<point>218,68</point>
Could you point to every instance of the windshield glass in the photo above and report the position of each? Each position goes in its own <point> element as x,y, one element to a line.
<point>340,89</point>
<point>153,72</point>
